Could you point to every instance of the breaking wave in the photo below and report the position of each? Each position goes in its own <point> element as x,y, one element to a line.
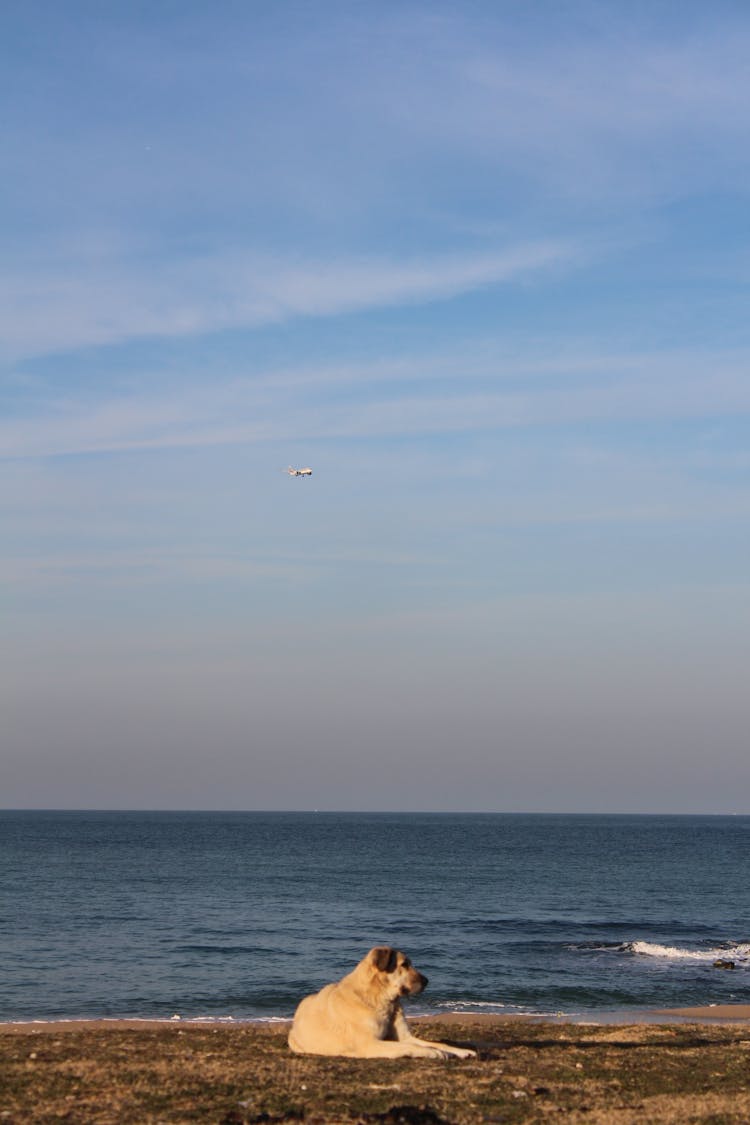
<point>738,953</point>
<point>479,1005</point>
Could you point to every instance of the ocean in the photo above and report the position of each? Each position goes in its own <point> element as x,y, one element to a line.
<point>239,915</point>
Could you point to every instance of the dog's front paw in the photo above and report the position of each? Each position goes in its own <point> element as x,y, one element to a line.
<point>464,1053</point>
<point>449,1052</point>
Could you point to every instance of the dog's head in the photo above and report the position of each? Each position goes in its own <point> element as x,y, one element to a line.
<point>395,971</point>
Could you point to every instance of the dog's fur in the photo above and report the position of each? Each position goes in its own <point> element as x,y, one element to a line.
<point>361,1017</point>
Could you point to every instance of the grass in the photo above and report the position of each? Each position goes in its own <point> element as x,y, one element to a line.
<point>525,1072</point>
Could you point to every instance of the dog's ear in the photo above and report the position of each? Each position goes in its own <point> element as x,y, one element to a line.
<point>384,958</point>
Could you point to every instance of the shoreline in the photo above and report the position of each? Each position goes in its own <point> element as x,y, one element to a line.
<point>719,1014</point>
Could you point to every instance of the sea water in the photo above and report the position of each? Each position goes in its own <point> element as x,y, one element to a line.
<point>146,914</point>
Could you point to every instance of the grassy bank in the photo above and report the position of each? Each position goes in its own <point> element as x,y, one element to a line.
<point>240,1075</point>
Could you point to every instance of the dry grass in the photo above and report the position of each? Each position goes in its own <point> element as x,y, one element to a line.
<point>525,1072</point>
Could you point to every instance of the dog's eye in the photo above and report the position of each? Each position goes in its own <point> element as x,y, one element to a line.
<point>406,963</point>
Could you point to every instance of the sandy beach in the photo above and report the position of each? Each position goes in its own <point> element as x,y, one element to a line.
<point>687,1065</point>
<point>708,1013</point>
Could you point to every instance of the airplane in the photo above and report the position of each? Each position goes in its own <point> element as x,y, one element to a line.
<point>298,472</point>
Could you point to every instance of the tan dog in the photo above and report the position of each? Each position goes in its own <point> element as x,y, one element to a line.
<point>361,1017</point>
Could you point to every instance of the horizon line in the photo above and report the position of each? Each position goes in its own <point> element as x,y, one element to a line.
<point>360,812</point>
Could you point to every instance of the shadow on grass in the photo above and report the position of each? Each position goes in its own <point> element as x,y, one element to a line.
<point>488,1049</point>
<point>396,1115</point>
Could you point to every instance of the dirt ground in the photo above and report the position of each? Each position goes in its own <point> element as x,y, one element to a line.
<point>238,1075</point>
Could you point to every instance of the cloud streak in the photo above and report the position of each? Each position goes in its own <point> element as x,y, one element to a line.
<point>463,396</point>
<point>63,307</point>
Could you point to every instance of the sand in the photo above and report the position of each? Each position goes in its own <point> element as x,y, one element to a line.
<point>708,1013</point>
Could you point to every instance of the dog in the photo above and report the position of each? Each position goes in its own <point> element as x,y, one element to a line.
<point>360,1016</point>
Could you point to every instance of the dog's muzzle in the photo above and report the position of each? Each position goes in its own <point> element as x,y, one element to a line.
<point>417,983</point>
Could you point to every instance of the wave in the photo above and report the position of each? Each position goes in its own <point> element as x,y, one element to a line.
<point>239,1021</point>
<point>739,953</point>
<point>460,1005</point>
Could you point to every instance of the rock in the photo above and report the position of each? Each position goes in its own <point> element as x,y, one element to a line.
<point>721,964</point>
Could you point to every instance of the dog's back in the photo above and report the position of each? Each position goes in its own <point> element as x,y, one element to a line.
<point>313,1027</point>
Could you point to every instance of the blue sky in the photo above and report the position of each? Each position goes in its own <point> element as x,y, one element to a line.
<point>485,269</point>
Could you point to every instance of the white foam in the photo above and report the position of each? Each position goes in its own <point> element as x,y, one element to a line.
<point>479,1007</point>
<point>736,953</point>
<point>460,1005</point>
<point>145,1019</point>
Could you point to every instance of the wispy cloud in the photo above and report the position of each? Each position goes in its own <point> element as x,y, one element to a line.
<point>78,303</point>
<point>456,395</point>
